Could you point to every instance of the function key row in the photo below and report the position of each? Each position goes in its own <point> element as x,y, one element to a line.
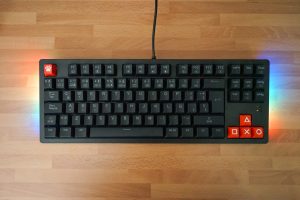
<point>133,83</point>
<point>198,69</point>
<point>92,69</point>
<point>247,70</point>
<point>143,69</point>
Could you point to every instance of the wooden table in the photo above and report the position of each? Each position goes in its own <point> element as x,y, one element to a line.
<point>35,29</point>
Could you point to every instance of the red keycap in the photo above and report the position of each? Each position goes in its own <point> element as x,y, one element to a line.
<point>257,132</point>
<point>233,132</point>
<point>50,70</point>
<point>245,120</point>
<point>245,132</point>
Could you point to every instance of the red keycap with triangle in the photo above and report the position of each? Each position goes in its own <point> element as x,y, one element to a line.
<point>245,120</point>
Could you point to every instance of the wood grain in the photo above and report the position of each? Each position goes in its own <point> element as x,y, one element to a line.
<point>35,29</point>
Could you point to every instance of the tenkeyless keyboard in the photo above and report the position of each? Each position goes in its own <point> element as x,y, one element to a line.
<point>180,101</point>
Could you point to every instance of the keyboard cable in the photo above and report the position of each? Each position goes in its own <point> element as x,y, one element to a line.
<point>154,30</point>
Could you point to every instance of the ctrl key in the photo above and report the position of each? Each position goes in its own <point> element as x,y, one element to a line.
<point>50,132</point>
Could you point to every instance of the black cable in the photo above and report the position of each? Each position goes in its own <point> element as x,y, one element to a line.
<point>154,30</point>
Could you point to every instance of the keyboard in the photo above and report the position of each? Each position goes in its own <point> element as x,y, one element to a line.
<point>155,101</point>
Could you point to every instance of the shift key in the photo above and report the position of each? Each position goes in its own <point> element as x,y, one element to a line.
<point>53,108</point>
<point>214,84</point>
<point>212,120</point>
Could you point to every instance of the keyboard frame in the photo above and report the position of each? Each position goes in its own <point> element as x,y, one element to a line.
<point>264,114</point>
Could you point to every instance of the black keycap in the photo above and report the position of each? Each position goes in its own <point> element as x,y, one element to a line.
<point>213,84</point>
<point>208,70</point>
<point>51,96</point>
<point>134,83</point>
<point>248,84</point>
<point>100,120</point>
<point>119,108</point>
<point>85,69</point>
<point>209,120</point>
<point>171,132</point>
<point>259,84</point>
<point>183,83</point>
<point>152,69</point>
<point>202,132</point>
<point>247,96</point>
<point>165,70</point>
<point>53,108</point>
<point>125,120</point>
<point>201,95</point>
<point>76,121</point>
<point>217,101</point>
<point>146,83</point>
<point>140,96</point>
<point>173,120</point>
<point>122,83</point>
<point>235,69</point>
<point>50,120</point>
<point>65,132</point>
<point>217,133</point>
<point>79,96</point>
<point>85,83</point>
<point>177,96</point>
<point>155,108</point>
<point>63,120</point>
<point>171,83</point>
<point>248,69</point>
<point>137,120</point>
<point>203,108</point>
<point>234,96</point>
<point>88,120</point>
<point>106,108</point>
<point>143,108</point>
<point>81,108</point>
<point>196,84</point>
<point>126,132</point>
<point>161,120</point>
<point>152,96</point>
<point>131,107</point>
<point>112,120</point>
<point>48,84</point>
<point>167,108</point>
<point>192,108</point>
<point>67,96</point>
<point>149,120</point>
<point>235,84</point>
<point>196,70</point>
<point>72,83</point>
<point>164,96</point>
<point>70,108</point>
<point>158,83</point>
<point>94,108</point>
<point>183,69</point>
<point>186,120</point>
<point>179,108</point>
<point>187,132</point>
<point>127,69</point>
<point>259,96</point>
<point>103,96</point>
<point>97,83</point>
<point>50,132</point>
<point>91,96</point>
<point>115,95</point>
<point>97,69</point>
<point>110,69</point>
<point>128,96</point>
<point>189,95</point>
<point>109,83</point>
<point>80,132</point>
<point>260,70</point>
<point>140,69</point>
<point>60,83</point>
<point>220,70</point>
<point>73,69</point>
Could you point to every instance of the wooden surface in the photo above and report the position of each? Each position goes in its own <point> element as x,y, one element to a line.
<point>34,29</point>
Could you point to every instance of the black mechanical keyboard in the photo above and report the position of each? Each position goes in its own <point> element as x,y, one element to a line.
<point>171,101</point>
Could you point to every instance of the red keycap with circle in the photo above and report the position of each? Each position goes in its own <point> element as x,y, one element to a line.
<point>233,132</point>
<point>50,70</point>
<point>245,132</point>
<point>257,132</point>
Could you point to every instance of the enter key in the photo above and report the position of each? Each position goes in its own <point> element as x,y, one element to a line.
<point>217,101</point>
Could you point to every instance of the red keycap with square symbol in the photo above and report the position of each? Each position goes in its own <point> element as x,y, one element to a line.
<point>245,120</point>
<point>245,132</point>
<point>233,132</point>
<point>50,70</point>
<point>257,132</point>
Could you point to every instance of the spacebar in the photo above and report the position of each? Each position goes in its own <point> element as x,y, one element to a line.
<point>126,132</point>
